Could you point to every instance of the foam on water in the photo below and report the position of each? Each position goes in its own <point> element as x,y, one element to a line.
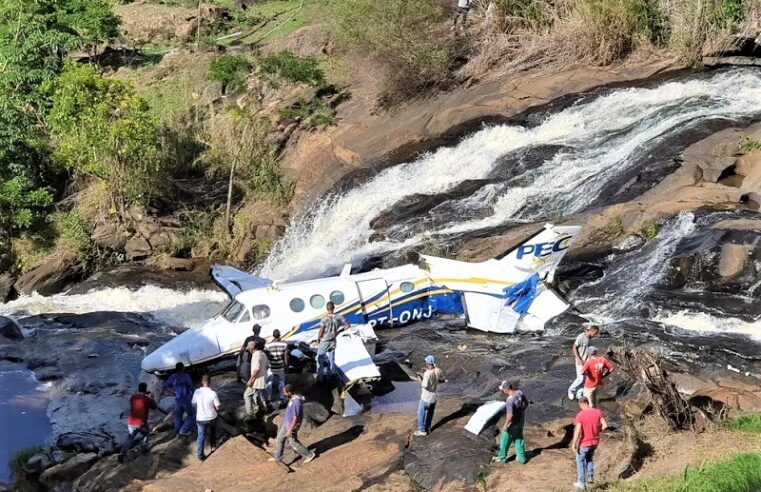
<point>705,324</point>
<point>175,308</point>
<point>603,139</point>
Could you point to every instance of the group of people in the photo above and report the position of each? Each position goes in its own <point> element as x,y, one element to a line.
<point>591,370</point>
<point>199,406</point>
<point>205,404</point>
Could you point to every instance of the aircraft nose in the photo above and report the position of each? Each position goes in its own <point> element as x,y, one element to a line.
<point>158,360</point>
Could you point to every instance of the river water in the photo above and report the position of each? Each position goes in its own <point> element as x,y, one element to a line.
<point>23,414</point>
<point>570,161</point>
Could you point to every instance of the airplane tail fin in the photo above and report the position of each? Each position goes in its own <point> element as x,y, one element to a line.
<point>543,252</point>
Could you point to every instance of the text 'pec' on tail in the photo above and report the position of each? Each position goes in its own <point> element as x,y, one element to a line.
<point>543,252</point>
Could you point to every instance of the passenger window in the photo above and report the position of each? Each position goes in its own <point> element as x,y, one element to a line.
<point>297,305</point>
<point>337,297</point>
<point>232,311</point>
<point>261,311</point>
<point>245,318</point>
<point>317,301</point>
<point>407,287</point>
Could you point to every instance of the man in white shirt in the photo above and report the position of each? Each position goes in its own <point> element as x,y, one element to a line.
<point>463,7</point>
<point>253,396</point>
<point>206,402</point>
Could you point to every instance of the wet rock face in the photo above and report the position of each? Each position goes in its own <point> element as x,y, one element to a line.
<point>10,329</point>
<point>94,360</point>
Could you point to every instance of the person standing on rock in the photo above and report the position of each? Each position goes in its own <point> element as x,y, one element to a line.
<point>429,381</point>
<point>580,354</point>
<point>595,369</point>
<point>253,397</point>
<point>586,436</point>
<point>463,7</point>
<point>243,364</point>
<point>277,355</point>
<point>512,430</point>
<point>181,386</point>
<point>207,405</point>
<point>294,415</point>
<point>140,405</point>
<point>330,326</point>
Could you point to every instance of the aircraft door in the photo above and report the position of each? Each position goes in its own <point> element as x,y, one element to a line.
<point>376,303</point>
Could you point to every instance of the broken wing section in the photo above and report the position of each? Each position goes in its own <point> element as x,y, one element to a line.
<point>234,281</point>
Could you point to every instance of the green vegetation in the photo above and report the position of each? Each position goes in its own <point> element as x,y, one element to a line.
<point>73,235</point>
<point>614,227</point>
<point>748,144</point>
<point>531,14</point>
<point>20,458</point>
<point>649,231</point>
<point>750,422</point>
<point>741,473</point>
<point>230,71</point>
<point>104,131</point>
<point>292,68</point>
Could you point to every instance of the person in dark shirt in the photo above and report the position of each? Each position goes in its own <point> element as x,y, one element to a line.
<point>294,415</point>
<point>277,354</point>
<point>512,429</point>
<point>181,386</point>
<point>243,364</point>
<point>140,405</point>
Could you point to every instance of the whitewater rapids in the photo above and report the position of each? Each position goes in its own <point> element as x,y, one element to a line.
<point>600,140</point>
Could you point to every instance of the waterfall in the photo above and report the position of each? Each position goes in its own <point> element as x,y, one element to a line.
<point>600,140</point>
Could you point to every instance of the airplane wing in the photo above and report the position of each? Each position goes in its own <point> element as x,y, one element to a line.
<point>234,281</point>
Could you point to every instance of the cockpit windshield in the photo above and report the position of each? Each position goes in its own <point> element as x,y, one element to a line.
<point>232,311</point>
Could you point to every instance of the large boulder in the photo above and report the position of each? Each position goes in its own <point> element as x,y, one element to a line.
<point>10,329</point>
<point>111,236</point>
<point>50,276</point>
<point>69,470</point>
<point>137,248</point>
<point>732,259</point>
<point>6,287</point>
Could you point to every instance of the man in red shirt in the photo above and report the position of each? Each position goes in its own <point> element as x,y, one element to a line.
<point>140,405</point>
<point>586,436</point>
<point>595,369</point>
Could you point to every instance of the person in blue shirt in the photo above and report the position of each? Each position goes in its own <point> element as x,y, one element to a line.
<point>289,430</point>
<point>181,386</point>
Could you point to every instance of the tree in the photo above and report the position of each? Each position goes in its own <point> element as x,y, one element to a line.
<point>103,130</point>
<point>36,36</point>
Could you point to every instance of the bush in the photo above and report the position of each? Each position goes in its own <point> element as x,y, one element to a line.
<point>407,35</point>
<point>750,422</point>
<point>104,131</point>
<point>607,30</point>
<point>531,14</point>
<point>231,71</point>
<point>73,235</point>
<point>293,68</point>
<point>749,144</point>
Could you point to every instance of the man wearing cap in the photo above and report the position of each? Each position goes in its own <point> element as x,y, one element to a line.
<point>595,369</point>
<point>586,436</point>
<point>512,429</point>
<point>429,381</point>
<point>580,353</point>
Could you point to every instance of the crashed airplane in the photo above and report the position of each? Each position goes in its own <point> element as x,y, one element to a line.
<point>498,295</point>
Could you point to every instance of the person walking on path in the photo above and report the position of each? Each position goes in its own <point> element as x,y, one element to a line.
<point>586,436</point>
<point>463,7</point>
<point>580,354</point>
<point>429,381</point>
<point>595,369</point>
<point>289,430</point>
<point>181,386</point>
<point>253,396</point>
<point>206,402</point>
<point>243,364</point>
<point>277,355</point>
<point>140,405</point>
<point>330,326</point>
<point>512,430</point>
